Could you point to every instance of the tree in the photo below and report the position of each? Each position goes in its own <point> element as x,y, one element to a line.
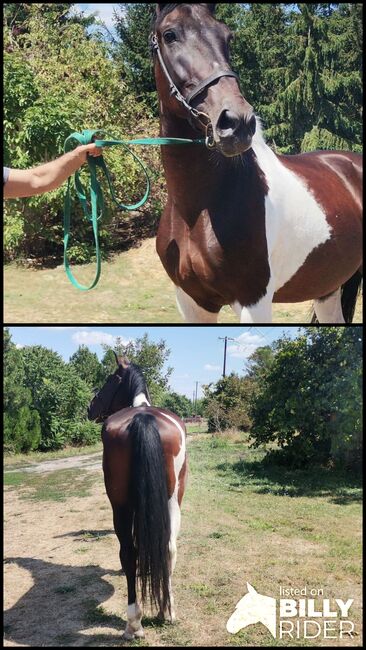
<point>87,366</point>
<point>259,363</point>
<point>22,431</point>
<point>309,403</point>
<point>179,404</point>
<point>226,403</point>
<point>58,394</point>
<point>133,26</point>
<point>58,80</point>
<point>319,106</point>
<point>151,357</point>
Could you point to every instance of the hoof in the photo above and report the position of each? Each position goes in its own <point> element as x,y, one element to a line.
<point>129,636</point>
<point>166,617</point>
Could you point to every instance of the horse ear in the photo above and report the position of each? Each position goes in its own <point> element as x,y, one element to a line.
<point>159,7</point>
<point>211,7</point>
<point>251,589</point>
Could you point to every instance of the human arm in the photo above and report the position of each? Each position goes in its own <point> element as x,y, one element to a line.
<point>48,176</point>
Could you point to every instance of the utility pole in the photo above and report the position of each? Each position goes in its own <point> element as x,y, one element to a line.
<point>194,400</point>
<point>226,339</point>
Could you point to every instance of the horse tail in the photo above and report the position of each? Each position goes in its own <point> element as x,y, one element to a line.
<point>151,520</point>
<point>349,294</point>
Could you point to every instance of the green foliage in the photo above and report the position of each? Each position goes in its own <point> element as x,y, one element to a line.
<point>299,66</point>
<point>22,429</point>
<point>86,365</point>
<point>226,403</point>
<point>58,394</point>
<point>309,402</point>
<point>133,26</point>
<point>179,404</point>
<point>60,80</point>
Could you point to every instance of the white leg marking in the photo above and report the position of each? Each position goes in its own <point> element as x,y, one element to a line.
<point>190,311</point>
<point>174,513</point>
<point>261,312</point>
<point>133,625</point>
<point>330,309</point>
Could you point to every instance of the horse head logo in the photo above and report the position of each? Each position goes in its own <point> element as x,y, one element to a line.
<point>253,608</point>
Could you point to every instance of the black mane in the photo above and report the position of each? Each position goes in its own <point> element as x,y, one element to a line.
<point>134,381</point>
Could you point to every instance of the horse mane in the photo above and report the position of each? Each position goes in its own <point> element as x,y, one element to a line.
<point>135,381</point>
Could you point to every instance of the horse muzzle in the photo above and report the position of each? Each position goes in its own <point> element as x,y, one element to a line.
<point>234,132</point>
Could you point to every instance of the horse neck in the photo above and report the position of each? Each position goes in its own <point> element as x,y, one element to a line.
<point>191,171</point>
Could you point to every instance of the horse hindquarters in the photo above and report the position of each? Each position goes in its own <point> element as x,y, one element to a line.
<point>149,499</point>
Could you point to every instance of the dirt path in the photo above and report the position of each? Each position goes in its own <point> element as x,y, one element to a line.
<point>88,461</point>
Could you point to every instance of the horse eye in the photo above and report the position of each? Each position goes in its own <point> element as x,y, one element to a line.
<point>169,36</point>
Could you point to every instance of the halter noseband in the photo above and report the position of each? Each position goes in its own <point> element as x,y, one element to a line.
<point>203,118</point>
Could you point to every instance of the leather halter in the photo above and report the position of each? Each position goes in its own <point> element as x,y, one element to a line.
<point>203,118</point>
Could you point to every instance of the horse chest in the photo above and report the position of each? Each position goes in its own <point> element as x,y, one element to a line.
<point>210,259</point>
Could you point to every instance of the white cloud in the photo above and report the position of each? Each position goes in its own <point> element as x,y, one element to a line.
<point>245,345</point>
<point>19,346</point>
<point>96,338</point>
<point>209,366</point>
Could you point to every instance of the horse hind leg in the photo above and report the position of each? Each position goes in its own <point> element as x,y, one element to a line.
<point>175,518</point>
<point>329,309</point>
<point>122,518</point>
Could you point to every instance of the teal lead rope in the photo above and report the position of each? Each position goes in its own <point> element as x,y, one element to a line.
<point>96,194</point>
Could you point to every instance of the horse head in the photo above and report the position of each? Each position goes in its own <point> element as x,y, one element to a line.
<point>119,390</point>
<point>192,66</point>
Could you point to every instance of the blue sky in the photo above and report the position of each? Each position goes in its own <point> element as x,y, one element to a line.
<point>196,352</point>
<point>103,11</point>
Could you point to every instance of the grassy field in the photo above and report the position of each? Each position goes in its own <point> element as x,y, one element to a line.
<point>133,288</point>
<point>242,521</point>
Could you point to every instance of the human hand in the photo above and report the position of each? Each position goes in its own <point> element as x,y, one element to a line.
<point>84,149</point>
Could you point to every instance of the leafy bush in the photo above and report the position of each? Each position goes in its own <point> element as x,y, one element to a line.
<point>79,88</point>
<point>22,430</point>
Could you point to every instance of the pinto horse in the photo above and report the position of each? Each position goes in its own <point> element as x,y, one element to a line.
<point>145,470</point>
<point>243,226</point>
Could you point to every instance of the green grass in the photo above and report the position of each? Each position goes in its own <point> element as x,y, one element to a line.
<point>133,288</point>
<point>51,486</point>
<point>242,520</point>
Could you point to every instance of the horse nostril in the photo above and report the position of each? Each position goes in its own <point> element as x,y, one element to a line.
<point>227,122</point>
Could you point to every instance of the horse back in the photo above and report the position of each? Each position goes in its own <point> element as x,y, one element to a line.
<point>335,178</point>
<point>117,450</point>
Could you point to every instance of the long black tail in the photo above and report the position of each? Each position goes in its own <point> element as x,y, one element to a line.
<point>349,295</point>
<point>151,523</point>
